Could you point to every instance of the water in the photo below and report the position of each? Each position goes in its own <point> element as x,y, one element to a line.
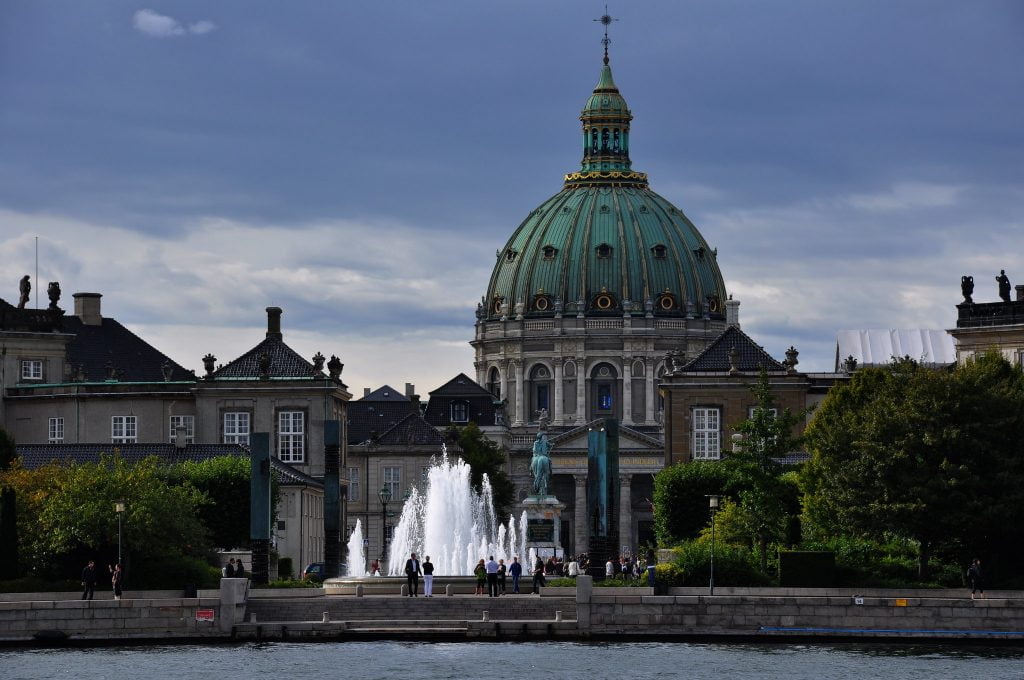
<point>452,524</point>
<point>356,552</point>
<point>565,661</point>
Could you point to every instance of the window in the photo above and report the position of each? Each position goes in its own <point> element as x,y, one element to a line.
<point>549,252</point>
<point>542,397</point>
<point>393,480</point>
<point>604,250</point>
<point>124,429</point>
<point>32,369</point>
<point>706,435</point>
<point>389,532</point>
<point>187,422</point>
<point>604,397</point>
<point>236,428</point>
<point>460,412</point>
<point>353,484</point>
<point>291,438</point>
<point>55,433</point>
<point>659,251</point>
<point>773,411</point>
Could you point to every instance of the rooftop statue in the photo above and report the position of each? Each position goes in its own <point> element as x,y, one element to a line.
<point>53,292</point>
<point>1004,286</point>
<point>24,287</point>
<point>967,288</point>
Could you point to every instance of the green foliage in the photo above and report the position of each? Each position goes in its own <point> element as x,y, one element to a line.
<point>892,563</point>
<point>484,457</point>
<point>669,574</point>
<point>931,456</point>
<point>289,583</point>
<point>680,506</point>
<point>8,452</point>
<point>33,583</point>
<point>767,437</point>
<point>172,572</point>
<point>224,483</point>
<point>285,570</point>
<point>807,568</point>
<point>734,565</point>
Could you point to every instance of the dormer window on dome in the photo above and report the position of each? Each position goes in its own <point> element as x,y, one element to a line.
<point>549,252</point>
<point>666,301</point>
<point>510,254</point>
<point>541,302</point>
<point>604,301</point>
<point>604,251</point>
<point>660,251</point>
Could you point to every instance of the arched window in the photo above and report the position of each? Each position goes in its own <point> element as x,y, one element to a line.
<point>604,382</point>
<point>540,390</point>
<point>660,251</point>
<point>604,250</point>
<point>549,252</point>
<point>494,382</point>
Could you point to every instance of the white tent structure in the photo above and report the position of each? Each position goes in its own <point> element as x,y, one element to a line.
<point>878,346</point>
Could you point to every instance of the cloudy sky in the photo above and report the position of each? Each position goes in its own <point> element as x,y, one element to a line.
<point>359,164</point>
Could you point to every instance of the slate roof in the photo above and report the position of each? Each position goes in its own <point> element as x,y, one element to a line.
<point>36,455</point>
<point>715,357</point>
<point>481,408</point>
<point>134,359</point>
<point>412,430</point>
<point>385,393</point>
<point>284,362</point>
<point>376,413</point>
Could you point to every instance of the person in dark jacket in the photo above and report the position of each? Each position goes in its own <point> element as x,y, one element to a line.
<point>976,579</point>
<point>412,574</point>
<point>116,579</point>
<point>239,569</point>
<point>428,577</point>
<point>538,576</point>
<point>515,570</point>
<point>88,580</point>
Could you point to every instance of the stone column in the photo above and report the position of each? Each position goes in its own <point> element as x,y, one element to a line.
<point>556,410</point>
<point>649,366</point>
<point>581,393</point>
<point>503,368</point>
<point>627,391</point>
<point>580,522</point>
<point>625,512</point>
<point>520,407</point>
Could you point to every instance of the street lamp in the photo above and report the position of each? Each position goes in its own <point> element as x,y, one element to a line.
<point>385,497</point>
<point>119,508</point>
<point>713,506</point>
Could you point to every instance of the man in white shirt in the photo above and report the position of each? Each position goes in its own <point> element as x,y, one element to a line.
<point>574,568</point>
<point>492,577</point>
<point>609,569</point>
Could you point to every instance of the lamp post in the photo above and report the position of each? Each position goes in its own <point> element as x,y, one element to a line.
<point>713,506</point>
<point>385,497</point>
<point>119,508</point>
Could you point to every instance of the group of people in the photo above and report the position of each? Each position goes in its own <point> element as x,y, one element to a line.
<point>233,569</point>
<point>89,577</point>
<point>490,575</point>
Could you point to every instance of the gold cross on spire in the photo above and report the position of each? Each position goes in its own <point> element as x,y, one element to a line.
<point>606,19</point>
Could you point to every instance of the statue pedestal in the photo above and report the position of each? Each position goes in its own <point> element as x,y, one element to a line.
<point>543,525</point>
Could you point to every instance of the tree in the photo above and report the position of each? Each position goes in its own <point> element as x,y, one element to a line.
<point>767,436</point>
<point>8,512</point>
<point>485,458</point>
<point>934,456</point>
<point>224,484</point>
<point>680,503</point>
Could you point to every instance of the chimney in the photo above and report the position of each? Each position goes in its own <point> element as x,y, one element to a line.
<point>274,323</point>
<point>366,392</point>
<point>87,308</point>
<point>732,312</point>
<point>1020,292</point>
<point>410,390</point>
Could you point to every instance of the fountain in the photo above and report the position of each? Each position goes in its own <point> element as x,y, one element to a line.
<point>356,552</point>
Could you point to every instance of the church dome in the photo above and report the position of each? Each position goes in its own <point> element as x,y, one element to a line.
<point>606,244</point>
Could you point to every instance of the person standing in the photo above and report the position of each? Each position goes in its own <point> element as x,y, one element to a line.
<point>480,571</point>
<point>974,576</point>
<point>515,570</point>
<point>502,571</point>
<point>609,569</point>
<point>412,574</point>
<point>574,568</point>
<point>116,579</point>
<point>229,569</point>
<point>88,580</point>
<point>538,576</point>
<point>239,569</point>
<point>492,577</point>
<point>428,577</point>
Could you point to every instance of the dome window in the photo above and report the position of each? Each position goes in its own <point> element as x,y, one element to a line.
<point>541,303</point>
<point>605,210</point>
<point>565,209</point>
<point>666,302</point>
<point>604,301</point>
<point>510,254</point>
<point>644,209</point>
<point>660,251</point>
<point>497,305</point>
<point>604,251</point>
<point>549,252</point>
<point>699,252</point>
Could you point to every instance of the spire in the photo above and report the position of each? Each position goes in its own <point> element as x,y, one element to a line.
<point>605,121</point>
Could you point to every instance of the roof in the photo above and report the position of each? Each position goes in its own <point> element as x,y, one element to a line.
<point>385,393</point>
<point>878,346</point>
<point>284,362</point>
<point>367,418</point>
<point>715,357</point>
<point>480,403</point>
<point>606,243</point>
<point>97,350</point>
<point>36,455</point>
<point>412,430</point>
<point>461,385</point>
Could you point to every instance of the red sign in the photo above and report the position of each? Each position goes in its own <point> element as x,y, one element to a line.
<point>204,615</point>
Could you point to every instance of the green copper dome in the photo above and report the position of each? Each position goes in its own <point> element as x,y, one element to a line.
<point>606,244</point>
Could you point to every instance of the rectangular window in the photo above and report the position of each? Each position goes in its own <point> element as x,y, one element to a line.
<point>460,412</point>
<point>124,429</point>
<point>291,436</point>
<point>542,397</point>
<point>706,433</point>
<point>32,369</point>
<point>55,431</point>
<point>604,397</point>
<point>389,532</point>
<point>236,428</point>
<point>353,483</point>
<point>187,422</point>
<point>393,480</point>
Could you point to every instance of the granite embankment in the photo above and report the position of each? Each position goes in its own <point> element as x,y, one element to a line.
<point>582,613</point>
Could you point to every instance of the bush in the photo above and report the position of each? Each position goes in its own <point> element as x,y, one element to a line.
<point>37,584</point>
<point>564,582</point>
<point>289,583</point>
<point>863,563</point>
<point>284,568</point>
<point>734,565</point>
<point>681,509</point>
<point>171,573</point>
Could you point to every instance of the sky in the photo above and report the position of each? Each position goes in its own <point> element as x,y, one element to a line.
<point>359,164</point>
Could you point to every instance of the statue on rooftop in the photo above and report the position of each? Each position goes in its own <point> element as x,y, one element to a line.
<point>53,292</point>
<point>1004,286</point>
<point>967,288</point>
<point>24,287</point>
